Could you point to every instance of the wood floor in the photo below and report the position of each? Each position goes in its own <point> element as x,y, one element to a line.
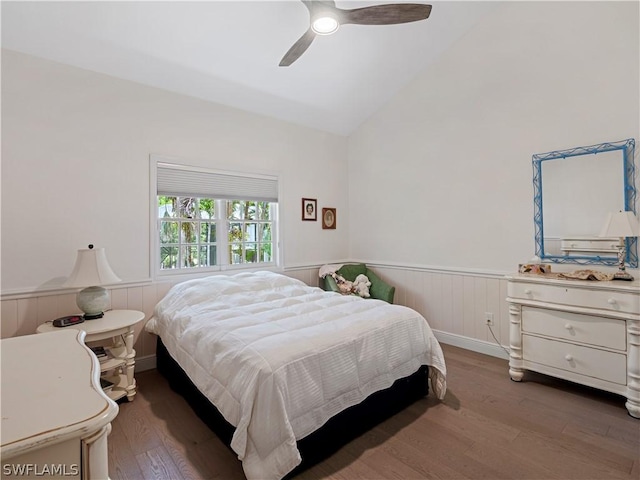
<point>487,427</point>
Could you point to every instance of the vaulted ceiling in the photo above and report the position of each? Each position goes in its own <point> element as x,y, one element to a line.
<point>228,51</point>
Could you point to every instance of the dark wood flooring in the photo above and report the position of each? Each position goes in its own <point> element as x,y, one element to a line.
<point>487,427</point>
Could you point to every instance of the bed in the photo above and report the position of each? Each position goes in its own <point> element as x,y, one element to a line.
<point>280,361</point>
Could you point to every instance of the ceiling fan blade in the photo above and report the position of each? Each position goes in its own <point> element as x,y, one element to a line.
<point>314,5</point>
<point>386,14</point>
<point>322,3</point>
<point>298,48</point>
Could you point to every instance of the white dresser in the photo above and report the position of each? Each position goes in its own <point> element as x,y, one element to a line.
<point>55,416</point>
<point>587,332</point>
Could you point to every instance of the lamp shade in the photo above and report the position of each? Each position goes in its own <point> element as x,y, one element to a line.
<point>621,224</point>
<point>91,269</point>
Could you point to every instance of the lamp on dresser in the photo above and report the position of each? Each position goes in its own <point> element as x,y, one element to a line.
<point>621,224</point>
<point>91,271</point>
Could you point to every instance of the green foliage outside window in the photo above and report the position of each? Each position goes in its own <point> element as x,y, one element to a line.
<point>247,223</point>
<point>187,232</point>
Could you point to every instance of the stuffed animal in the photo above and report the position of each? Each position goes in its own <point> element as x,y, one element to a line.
<point>344,285</point>
<point>361,286</point>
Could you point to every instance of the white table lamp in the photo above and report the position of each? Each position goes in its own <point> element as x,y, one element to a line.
<point>622,225</point>
<point>92,270</point>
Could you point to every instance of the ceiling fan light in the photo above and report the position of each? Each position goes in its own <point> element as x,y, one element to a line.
<point>325,25</point>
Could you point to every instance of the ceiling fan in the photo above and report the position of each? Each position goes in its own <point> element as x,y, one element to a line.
<point>325,18</point>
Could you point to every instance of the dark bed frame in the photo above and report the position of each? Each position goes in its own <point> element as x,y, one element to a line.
<point>328,439</point>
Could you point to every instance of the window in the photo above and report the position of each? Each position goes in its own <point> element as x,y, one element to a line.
<point>187,230</point>
<point>213,220</point>
<point>249,232</point>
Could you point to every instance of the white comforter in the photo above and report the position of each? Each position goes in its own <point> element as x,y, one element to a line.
<point>279,358</point>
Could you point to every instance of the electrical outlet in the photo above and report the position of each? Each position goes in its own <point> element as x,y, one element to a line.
<point>488,318</point>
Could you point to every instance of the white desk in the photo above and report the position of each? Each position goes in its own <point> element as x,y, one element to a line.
<point>55,416</point>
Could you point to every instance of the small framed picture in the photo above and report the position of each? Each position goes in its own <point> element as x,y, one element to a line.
<point>310,209</point>
<point>329,218</point>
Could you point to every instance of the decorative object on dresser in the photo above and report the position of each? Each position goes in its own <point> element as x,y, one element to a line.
<point>55,417</point>
<point>583,331</point>
<point>592,275</point>
<point>537,268</point>
<point>91,271</point>
<point>115,333</point>
<point>623,225</point>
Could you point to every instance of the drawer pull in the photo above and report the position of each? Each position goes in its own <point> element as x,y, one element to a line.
<point>568,326</point>
<point>612,301</point>
<point>568,357</point>
<point>527,292</point>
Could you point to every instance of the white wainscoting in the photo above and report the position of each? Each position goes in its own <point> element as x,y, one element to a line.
<point>453,302</point>
<point>21,314</point>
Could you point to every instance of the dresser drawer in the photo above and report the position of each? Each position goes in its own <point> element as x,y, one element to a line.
<point>582,297</point>
<point>575,327</point>
<point>586,361</point>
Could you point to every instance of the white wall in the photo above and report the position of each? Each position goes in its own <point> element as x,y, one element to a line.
<point>75,169</point>
<point>441,176</point>
<point>440,189</point>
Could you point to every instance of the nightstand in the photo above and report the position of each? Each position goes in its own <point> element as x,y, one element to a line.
<point>114,331</point>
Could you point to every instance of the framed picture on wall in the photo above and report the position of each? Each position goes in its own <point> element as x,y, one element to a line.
<point>310,209</point>
<point>329,218</point>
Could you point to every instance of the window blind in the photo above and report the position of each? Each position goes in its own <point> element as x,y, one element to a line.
<point>181,180</point>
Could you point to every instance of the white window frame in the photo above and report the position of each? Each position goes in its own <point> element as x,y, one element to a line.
<point>222,223</point>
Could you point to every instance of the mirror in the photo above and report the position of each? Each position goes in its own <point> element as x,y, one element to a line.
<point>574,190</point>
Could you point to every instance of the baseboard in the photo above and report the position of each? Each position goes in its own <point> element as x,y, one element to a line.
<point>148,362</point>
<point>480,346</point>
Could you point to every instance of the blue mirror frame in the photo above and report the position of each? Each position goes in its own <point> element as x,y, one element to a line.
<point>628,150</point>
